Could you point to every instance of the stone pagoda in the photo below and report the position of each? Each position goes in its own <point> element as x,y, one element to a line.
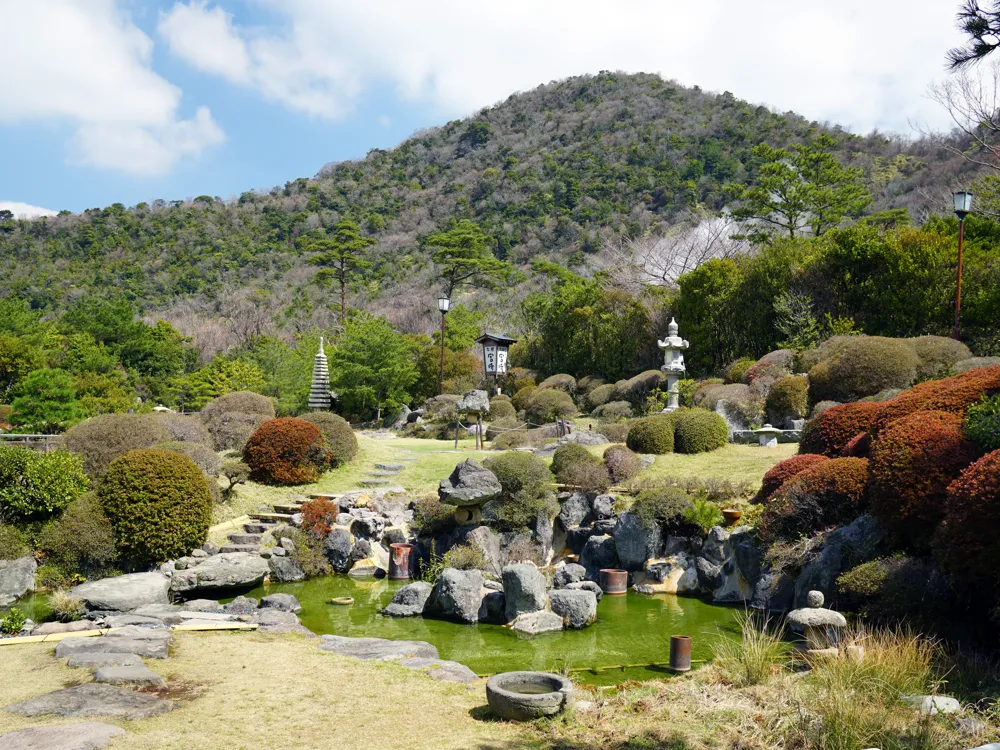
<point>673,363</point>
<point>319,391</point>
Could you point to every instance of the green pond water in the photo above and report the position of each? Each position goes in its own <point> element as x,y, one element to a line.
<point>630,630</point>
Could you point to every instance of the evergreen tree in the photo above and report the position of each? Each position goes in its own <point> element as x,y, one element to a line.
<point>47,402</point>
<point>464,257</point>
<point>342,256</point>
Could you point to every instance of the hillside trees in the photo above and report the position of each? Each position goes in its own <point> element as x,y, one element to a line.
<point>462,255</point>
<point>341,255</point>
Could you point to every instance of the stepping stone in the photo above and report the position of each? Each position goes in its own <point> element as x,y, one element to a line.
<point>376,649</point>
<point>383,473</point>
<point>121,621</point>
<point>258,528</point>
<point>441,669</point>
<point>276,517</point>
<point>287,509</point>
<point>87,735</point>
<point>49,628</point>
<point>374,482</point>
<point>92,699</point>
<point>389,467</point>
<point>245,539</point>
<point>93,661</point>
<point>140,675</point>
<point>151,649</point>
<point>238,548</point>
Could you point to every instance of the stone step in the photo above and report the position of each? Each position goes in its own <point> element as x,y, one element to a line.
<point>374,482</point>
<point>258,528</point>
<point>276,517</point>
<point>239,548</point>
<point>389,467</point>
<point>244,538</point>
<point>382,473</point>
<point>287,508</point>
<point>326,496</point>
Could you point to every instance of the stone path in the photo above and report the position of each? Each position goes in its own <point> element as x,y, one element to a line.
<point>381,475</point>
<point>410,654</point>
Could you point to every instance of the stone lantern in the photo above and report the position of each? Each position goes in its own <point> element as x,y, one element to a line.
<point>673,363</point>
<point>767,436</point>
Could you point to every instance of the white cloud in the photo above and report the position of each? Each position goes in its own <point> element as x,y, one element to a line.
<point>860,63</point>
<point>84,62</point>
<point>25,210</point>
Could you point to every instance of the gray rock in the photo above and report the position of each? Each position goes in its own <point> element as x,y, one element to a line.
<point>337,548</point>
<point>715,548</point>
<point>774,592</point>
<point>709,574</point>
<point>605,527</point>
<point>344,519</point>
<point>585,437</point>
<point>567,574</point>
<point>816,617</point>
<point>87,735</point>
<point>599,552</point>
<point>394,535</point>
<point>603,507</point>
<point>545,535</point>
<point>440,669</point>
<point>223,571</point>
<point>124,593</point>
<point>820,574</point>
<point>286,544</point>
<point>590,586</point>
<point>748,556</point>
<point>50,628</point>
<point>17,578</point>
<point>284,602</point>
<point>577,538</point>
<point>458,595</point>
<point>634,543</point>
<point>931,705</point>
<point>129,675</point>
<point>469,484</point>
<point>271,618</point>
<point>577,608</point>
<point>368,528</point>
<point>474,401</point>
<point>969,725</point>
<point>93,661</point>
<point>410,600</point>
<point>151,649</point>
<point>489,583</point>
<point>200,553</point>
<point>241,605</point>
<point>121,621</point>
<point>376,649</point>
<point>142,633</point>
<point>168,614</point>
<point>533,623</point>
<point>285,570</point>
<point>202,605</point>
<point>493,609</point>
<point>91,699</point>
<point>486,541</point>
<point>574,511</point>
<point>523,589</point>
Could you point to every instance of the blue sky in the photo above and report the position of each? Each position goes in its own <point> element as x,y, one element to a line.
<point>107,101</point>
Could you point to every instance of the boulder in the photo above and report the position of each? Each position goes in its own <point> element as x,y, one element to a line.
<point>202,605</point>
<point>277,621</point>
<point>284,602</point>
<point>674,575</point>
<point>50,628</point>
<point>370,559</point>
<point>709,574</point>
<point>337,548</point>
<point>91,699</point>
<point>285,569</point>
<point>567,574</point>
<point>577,608</point>
<point>486,541</point>
<point>226,570</point>
<point>458,595</point>
<point>585,437</point>
<point>86,735</point>
<point>590,586</point>
<point>603,507</point>
<point>410,600</point>
<point>124,593</point>
<point>523,589</point>
<point>474,401</point>
<point>545,535</point>
<point>138,674</point>
<point>17,578</point>
<point>493,609</point>
<point>533,623</point>
<point>241,605</point>
<point>577,538</point>
<point>774,592</point>
<point>714,548</point>
<point>368,528</point>
<point>599,552</point>
<point>440,669</point>
<point>376,649</point>
<point>469,484</point>
<point>574,511</point>
<point>635,543</point>
<point>931,705</point>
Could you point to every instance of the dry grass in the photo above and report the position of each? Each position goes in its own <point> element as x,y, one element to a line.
<point>249,690</point>
<point>757,657</point>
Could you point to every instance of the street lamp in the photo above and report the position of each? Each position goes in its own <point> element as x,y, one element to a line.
<point>963,207</point>
<point>495,350</point>
<point>444,304</point>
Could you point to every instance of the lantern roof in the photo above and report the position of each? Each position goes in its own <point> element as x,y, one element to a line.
<point>495,338</point>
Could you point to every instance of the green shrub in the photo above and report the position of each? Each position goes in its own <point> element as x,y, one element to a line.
<point>501,408</point>
<point>890,589</point>
<point>183,428</point>
<point>526,483</point>
<point>614,410</point>
<point>982,423</point>
<point>13,543</point>
<point>513,439</point>
<point>652,435</point>
<point>561,382</point>
<point>341,443</point>
<point>13,622</point>
<point>520,399</point>
<point>548,404</point>
<point>232,418</point>
<point>699,431</point>
<point>973,363</point>
<point>204,457</point>
<point>158,504</point>
<point>601,395</point>
<point>661,506</point>
<point>588,383</point>
<point>937,355</point>
<point>615,432</point>
<point>568,454</point>
<point>465,557</point>
<point>621,463</point>
<point>236,472</point>
<point>498,427</point>
<point>862,366</point>
<point>828,433</point>
<point>286,451</point>
<point>431,516</point>
<point>703,514</point>
<point>586,477</point>
<point>698,391</point>
<point>308,551</point>
<point>736,394</point>
<point>736,370</point>
<point>82,540</point>
<point>788,399</point>
<point>637,389</point>
<point>36,486</point>
<point>102,439</point>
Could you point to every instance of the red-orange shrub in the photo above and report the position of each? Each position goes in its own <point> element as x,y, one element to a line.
<point>859,446</point>
<point>829,433</point>
<point>285,451</point>
<point>782,471</point>
<point>827,494</point>
<point>953,395</point>
<point>967,543</point>
<point>318,517</point>
<point>913,461</point>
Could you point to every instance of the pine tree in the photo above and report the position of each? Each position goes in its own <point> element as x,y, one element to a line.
<point>342,256</point>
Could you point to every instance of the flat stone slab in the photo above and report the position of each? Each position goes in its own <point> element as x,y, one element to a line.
<point>225,570</point>
<point>51,628</point>
<point>87,735</point>
<point>93,661</point>
<point>389,467</point>
<point>121,621</point>
<point>441,669</point>
<point>151,649</point>
<point>94,700</point>
<point>124,593</point>
<point>535,623</point>
<point>377,649</point>
<point>130,675</point>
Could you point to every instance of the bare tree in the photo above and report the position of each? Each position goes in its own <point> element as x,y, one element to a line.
<point>248,313</point>
<point>972,100</point>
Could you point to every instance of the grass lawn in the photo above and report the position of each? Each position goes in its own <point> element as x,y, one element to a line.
<point>245,691</point>
<point>733,462</point>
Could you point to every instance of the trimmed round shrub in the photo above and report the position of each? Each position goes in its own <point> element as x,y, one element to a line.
<point>698,392</point>
<point>526,483</point>
<point>341,443</point>
<point>588,383</point>
<point>913,461</point>
<point>36,486</point>
<point>621,463</point>
<point>974,363</point>
<point>982,423</point>
<point>498,427</point>
<point>637,389</point>
<point>158,505</point>
<point>788,399</point>
<point>501,408</point>
<point>615,432</point>
<point>938,355</point>
<point>734,393</point>
<point>232,418</point>
<point>568,454</point>
<point>827,494</point>
<point>183,428</point>
<point>82,540</point>
<point>101,439</point>
<point>783,471</point>
<point>967,543</point>
<point>953,395</point>
<point>829,433</point>
<point>561,382</point>
<point>286,451</point>
<point>737,369</point>
<point>204,457</point>
<point>509,440</point>
<point>613,410</point>
<point>588,477</point>
<point>765,372</point>
<point>548,404</point>
<point>699,431</point>
<point>239,401</point>
<point>653,434</point>
<point>862,366</point>
<point>663,506</point>
<point>821,407</point>
<point>520,399</point>
<point>859,446</point>
<point>601,395</point>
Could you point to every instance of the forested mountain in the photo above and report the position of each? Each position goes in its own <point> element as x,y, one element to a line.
<point>560,173</point>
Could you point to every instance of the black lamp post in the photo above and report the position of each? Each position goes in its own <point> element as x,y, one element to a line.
<point>444,304</point>
<point>495,350</point>
<point>963,207</point>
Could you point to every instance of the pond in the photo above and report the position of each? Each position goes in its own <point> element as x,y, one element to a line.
<point>630,630</point>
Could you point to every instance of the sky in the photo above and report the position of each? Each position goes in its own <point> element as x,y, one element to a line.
<point>105,101</point>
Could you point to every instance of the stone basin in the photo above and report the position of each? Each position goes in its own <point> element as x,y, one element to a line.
<point>523,696</point>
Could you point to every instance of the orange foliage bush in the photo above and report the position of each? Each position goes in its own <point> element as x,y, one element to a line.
<point>285,451</point>
<point>781,472</point>
<point>829,433</point>
<point>318,517</point>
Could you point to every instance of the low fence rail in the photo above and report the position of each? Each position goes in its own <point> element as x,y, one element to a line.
<point>42,443</point>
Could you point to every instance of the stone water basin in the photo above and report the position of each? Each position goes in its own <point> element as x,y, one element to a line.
<point>523,696</point>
